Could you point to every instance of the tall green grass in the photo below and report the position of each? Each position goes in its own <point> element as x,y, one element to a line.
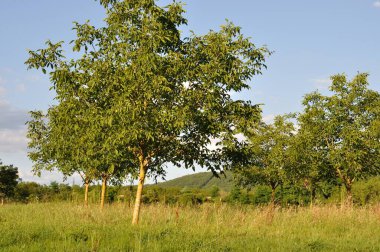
<point>209,227</point>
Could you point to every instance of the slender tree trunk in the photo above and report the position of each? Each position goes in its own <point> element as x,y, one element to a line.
<point>130,199</point>
<point>104,187</point>
<point>143,170</point>
<point>312,196</point>
<point>2,201</point>
<point>86,184</point>
<point>349,200</point>
<point>273,196</point>
<point>347,181</point>
<point>282,195</point>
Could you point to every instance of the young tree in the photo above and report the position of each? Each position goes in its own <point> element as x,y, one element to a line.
<point>310,168</point>
<point>267,155</point>
<point>49,150</point>
<point>161,98</point>
<point>344,126</point>
<point>8,181</point>
<point>62,140</point>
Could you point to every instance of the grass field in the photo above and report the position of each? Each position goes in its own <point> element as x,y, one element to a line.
<point>69,227</point>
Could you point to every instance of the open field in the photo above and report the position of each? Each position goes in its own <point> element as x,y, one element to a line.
<point>68,227</point>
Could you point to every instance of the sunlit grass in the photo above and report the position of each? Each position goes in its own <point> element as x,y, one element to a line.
<point>69,227</point>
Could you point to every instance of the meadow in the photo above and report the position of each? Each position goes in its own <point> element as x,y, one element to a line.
<point>208,227</point>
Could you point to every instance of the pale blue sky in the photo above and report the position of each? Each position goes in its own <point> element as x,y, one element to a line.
<point>311,39</point>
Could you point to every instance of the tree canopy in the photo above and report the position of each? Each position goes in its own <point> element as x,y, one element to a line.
<point>8,180</point>
<point>141,96</point>
<point>345,126</point>
<point>267,154</point>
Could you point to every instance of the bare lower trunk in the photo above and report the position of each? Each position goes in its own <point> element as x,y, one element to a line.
<point>347,181</point>
<point>312,197</point>
<point>311,201</point>
<point>104,187</point>
<point>2,201</point>
<point>136,210</point>
<point>349,200</point>
<point>273,196</point>
<point>86,184</point>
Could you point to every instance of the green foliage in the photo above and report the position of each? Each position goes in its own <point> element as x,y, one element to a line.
<point>214,191</point>
<point>261,195</point>
<point>8,180</point>
<point>367,191</point>
<point>139,93</point>
<point>235,194</point>
<point>364,192</point>
<point>266,155</point>
<point>238,196</point>
<point>29,192</point>
<point>342,130</point>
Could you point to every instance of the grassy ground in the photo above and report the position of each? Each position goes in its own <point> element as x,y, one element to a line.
<point>69,227</point>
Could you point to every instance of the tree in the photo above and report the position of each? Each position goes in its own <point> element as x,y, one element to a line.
<point>50,147</point>
<point>344,126</point>
<point>160,98</point>
<point>62,139</point>
<point>267,155</point>
<point>310,168</point>
<point>8,181</point>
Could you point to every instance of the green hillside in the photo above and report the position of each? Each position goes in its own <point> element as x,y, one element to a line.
<point>202,180</point>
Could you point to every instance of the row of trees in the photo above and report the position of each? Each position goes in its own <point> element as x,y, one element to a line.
<point>335,140</point>
<point>138,96</point>
<point>363,193</point>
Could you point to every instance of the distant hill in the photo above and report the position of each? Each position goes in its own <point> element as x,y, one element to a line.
<point>202,180</point>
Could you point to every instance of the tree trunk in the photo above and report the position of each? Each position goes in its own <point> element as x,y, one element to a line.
<point>136,211</point>
<point>349,201</point>
<point>2,201</point>
<point>312,196</point>
<point>347,181</point>
<point>273,196</point>
<point>86,184</point>
<point>104,187</point>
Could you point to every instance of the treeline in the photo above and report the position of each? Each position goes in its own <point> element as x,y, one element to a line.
<point>364,192</point>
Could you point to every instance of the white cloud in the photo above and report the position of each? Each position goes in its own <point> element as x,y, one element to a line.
<point>13,141</point>
<point>11,118</point>
<point>48,177</point>
<point>376,4</point>
<point>12,128</point>
<point>2,91</point>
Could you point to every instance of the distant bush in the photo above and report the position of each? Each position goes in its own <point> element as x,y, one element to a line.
<point>261,195</point>
<point>214,191</point>
<point>367,192</point>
